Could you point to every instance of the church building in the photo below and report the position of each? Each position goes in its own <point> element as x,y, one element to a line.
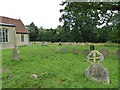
<point>12,31</point>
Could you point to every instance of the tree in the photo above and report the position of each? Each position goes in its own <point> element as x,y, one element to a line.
<point>81,20</point>
<point>34,32</point>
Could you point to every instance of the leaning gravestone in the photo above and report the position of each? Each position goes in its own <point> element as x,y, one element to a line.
<point>44,44</point>
<point>15,53</point>
<point>75,51</point>
<point>104,52</point>
<point>96,71</point>
<point>85,52</point>
<point>64,50</point>
<point>58,49</point>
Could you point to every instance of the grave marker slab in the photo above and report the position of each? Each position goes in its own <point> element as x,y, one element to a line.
<point>44,44</point>
<point>64,50</point>
<point>75,51</point>
<point>58,49</point>
<point>85,52</point>
<point>96,71</point>
<point>104,52</point>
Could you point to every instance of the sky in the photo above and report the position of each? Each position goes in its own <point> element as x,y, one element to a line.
<point>43,13</point>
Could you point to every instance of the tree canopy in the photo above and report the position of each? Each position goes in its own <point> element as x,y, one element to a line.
<point>83,22</point>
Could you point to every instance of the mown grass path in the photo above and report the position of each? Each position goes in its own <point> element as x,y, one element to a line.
<point>55,69</point>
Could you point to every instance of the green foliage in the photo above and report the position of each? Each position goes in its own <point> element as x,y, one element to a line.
<point>62,70</point>
<point>81,20</point>
<point>34,32</point>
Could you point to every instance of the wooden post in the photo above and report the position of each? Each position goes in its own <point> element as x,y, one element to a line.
<point>92,47</point>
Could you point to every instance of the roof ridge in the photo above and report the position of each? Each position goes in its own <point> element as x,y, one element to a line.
<point>9,18</point>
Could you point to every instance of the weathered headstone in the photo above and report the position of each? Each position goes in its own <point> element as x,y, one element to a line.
<point>92,47</point>
<point>104,52</point>
<point>75,51</point>
<point>96,71</point>
<point>85,52</point>
<point>15,53</point>
<point>44,44</point>
<point>57,49</point>
<point>118,53</point>
<point>64,50</point>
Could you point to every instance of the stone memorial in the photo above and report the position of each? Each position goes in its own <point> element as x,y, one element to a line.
<point>85,52</point>
<point>64,50</point>
<point>58,49</point>
<point>75,51</point>
<point>44,44</point>
<point>15,53</point>
<point>95,71</point>
<point>104,52</point>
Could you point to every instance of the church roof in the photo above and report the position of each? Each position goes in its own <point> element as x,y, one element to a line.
<point>19,26</point>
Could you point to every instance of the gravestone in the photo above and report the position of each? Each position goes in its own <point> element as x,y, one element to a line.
<point>95,71</point>
<point>104,52</point>
<point>85,52</point>
<point>15,53</point>
<point>58,49</point>
<point>118,53</point>
<point>92,47</point>
<point>64,50</point>
<point>44,44</point>
<point>75,51</point>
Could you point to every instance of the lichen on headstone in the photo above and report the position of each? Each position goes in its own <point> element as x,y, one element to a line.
<point>95,70</point>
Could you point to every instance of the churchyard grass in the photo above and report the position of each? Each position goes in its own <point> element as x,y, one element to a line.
<point>55,69</point>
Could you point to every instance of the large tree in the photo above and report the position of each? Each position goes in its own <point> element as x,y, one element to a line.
<point>34,32</point>
<point>82,20</point>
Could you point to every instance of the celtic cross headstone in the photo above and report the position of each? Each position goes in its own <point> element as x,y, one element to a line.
<point>96,71</point>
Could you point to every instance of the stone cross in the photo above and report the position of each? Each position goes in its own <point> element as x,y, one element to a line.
<point>96,71</point>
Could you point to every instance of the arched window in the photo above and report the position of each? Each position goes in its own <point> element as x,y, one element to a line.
<point>3,35</point>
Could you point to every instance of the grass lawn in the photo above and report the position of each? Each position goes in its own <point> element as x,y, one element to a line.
<point>55,69</point>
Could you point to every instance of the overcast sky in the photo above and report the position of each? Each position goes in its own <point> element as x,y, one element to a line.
<point>43,13</point>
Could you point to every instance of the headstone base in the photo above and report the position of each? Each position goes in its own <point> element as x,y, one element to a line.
<point>97,72</point>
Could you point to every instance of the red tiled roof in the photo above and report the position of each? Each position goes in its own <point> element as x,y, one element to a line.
<point>19,26</point>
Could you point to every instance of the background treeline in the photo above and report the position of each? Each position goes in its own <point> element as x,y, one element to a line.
<point>83,22</point>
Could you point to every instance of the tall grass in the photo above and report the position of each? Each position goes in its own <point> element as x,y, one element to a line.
<point>61,69</point>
